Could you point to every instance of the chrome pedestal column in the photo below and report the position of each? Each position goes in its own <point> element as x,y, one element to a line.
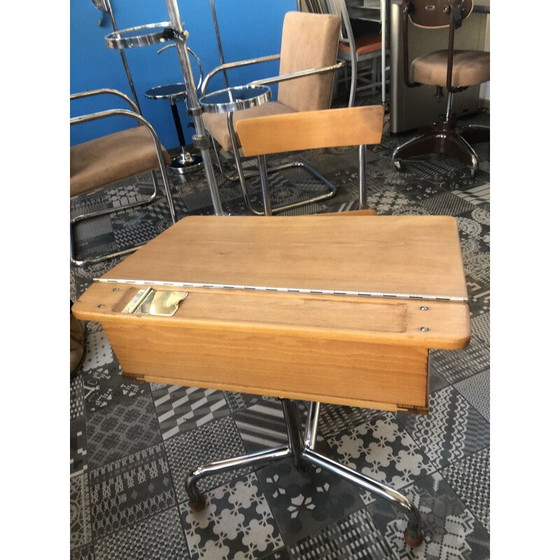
<point>201,139</point>
<point>301,449</point>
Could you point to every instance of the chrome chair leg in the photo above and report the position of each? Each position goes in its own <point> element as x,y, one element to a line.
<point>362,177</point>
<point>413,533</point>
<point>166,191</point>
<point>312,425</point>
<point>197,500</point>
<point>474,133</point>
<point>301,450</point>
<point>242,177</point>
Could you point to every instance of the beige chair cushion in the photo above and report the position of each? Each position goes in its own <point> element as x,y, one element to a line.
<point>112,158</point>
<point>216,123</point>
<point>469,68</point>
<point>308,41</point>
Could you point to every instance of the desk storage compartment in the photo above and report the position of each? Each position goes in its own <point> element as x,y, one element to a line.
<point>346,372</point>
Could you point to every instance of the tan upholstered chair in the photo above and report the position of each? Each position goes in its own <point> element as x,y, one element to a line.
<point>305,83</point>
<point>454,70</point>
<point>108,159</point>
<point>351,126</point>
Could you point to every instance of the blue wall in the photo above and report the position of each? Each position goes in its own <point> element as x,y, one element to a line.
<point>248,29</point>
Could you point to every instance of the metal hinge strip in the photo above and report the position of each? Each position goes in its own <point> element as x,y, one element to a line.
<point>421,297</point>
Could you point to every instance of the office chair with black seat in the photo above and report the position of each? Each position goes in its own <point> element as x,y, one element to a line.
<point>454,70</point>
<point>305,83</point>
<point>103,161</point>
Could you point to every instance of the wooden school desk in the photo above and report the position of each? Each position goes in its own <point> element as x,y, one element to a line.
<point>326,309</point>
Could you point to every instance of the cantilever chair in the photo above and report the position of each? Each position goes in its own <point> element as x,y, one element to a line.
<point>364,52</point>
<point>305,83</point>
<point>353,126</point>
<point>454,70</point>
<point>103,161</point>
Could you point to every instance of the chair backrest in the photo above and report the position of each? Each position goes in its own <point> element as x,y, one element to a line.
<point>329,128</point>
<point>337,8</point>
<point>435,14</point>
<point>308,41</point>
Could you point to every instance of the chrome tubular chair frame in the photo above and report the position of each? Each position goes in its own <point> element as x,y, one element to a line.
<point>242,175</point>
<point>301,450</point>
<point>141,121</point>
<point>263,174</point>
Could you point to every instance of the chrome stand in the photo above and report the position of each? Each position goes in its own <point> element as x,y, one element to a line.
<point>152,34</point>
<point>108,6</point>
<point>201,138</point>
<point>301,450</point>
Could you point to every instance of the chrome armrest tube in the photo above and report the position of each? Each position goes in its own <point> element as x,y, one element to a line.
<point>298,74</point>
<point>108,91</point>
<point>238,64</point>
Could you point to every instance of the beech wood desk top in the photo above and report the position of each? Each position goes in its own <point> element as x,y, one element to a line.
<point>309,335</point>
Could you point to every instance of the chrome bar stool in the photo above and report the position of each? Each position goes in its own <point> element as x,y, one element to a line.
<point>186,161</point>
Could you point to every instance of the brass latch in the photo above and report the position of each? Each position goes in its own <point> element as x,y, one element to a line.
<point>162,303</point>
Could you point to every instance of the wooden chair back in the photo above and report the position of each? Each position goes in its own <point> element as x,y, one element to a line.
<point>349,126</point>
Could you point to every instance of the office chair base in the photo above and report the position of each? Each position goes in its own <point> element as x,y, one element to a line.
<point>444,138</point>
<point>475,133</point>
<point>300,450</point>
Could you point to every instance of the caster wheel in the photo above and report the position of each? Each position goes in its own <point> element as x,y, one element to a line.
<point>398,164</point>
<point>413,542</point>
<point>199,505</point>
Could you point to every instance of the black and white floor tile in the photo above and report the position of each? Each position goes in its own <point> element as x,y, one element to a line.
<point>303,502</point>
<point>133,443</point>
<point>181,409</point>
<point>451,528</point>
<point>237,523</point>
<point>382,450</point>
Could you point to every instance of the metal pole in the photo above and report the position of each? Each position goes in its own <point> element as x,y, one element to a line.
<point>295,443</point>
<point>311,425</point>
<point>264,185</point>
<point>201,138</point>
<point>383,52</point>
<point>362,176</point>
<point>219,40</point>
<point>123,56</point>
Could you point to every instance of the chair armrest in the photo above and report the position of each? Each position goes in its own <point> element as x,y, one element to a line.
<point>238,64</point>
<point>298,74</point>
<point>107,91</point>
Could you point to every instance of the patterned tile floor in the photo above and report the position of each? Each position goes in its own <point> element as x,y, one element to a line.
<point>132,443</point>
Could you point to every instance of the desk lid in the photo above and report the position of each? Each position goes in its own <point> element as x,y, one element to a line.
<point>381,256</point>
